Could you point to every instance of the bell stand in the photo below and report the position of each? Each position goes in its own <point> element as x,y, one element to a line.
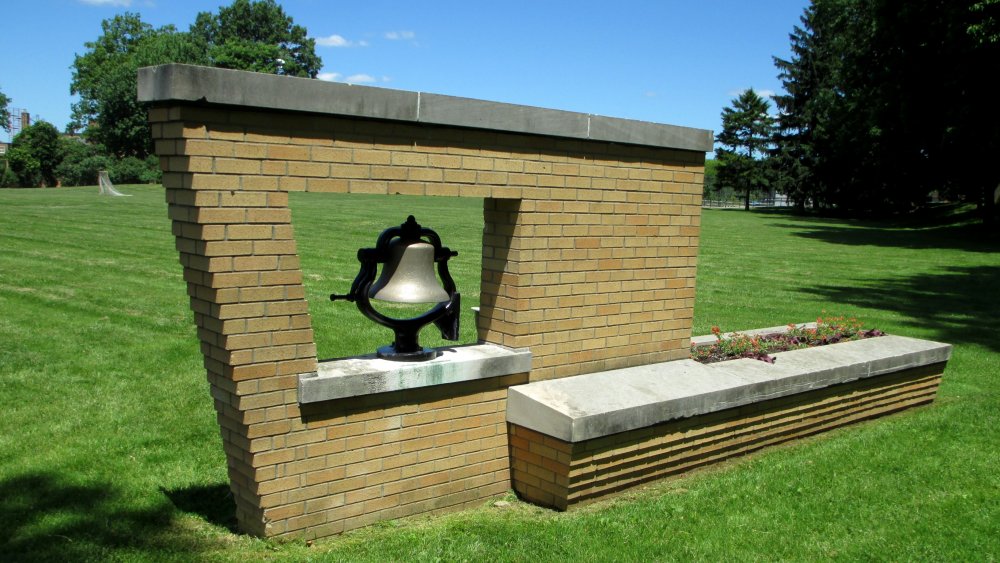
<point>445,315</point>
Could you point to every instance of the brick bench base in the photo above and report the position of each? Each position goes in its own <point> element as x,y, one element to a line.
<point>559,474</point>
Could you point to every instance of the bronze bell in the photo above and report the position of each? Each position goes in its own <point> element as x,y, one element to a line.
<point>408,275</point>
<point>408,254</point>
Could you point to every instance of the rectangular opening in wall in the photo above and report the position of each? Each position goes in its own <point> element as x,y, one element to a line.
<point>329,230</point>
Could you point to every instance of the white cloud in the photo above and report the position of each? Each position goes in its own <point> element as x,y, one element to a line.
<point>339,41</point>
<point>761,93</point>
<point>359,79</point>
<point>124,3</point>
<point>400,35</point>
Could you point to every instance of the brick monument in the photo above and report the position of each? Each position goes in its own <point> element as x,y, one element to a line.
<point>580,385</point>
<point>589,255</point>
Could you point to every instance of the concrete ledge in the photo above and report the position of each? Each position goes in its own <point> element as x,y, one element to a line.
<point>366,375</point>
<point>590,406</point>
<point>198,84</point>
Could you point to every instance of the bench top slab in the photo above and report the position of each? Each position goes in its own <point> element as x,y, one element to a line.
<point>583,407</point>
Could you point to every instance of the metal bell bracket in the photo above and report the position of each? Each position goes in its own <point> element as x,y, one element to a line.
<point>444,315</point>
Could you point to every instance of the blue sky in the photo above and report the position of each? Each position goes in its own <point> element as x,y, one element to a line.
<point>664,61</point>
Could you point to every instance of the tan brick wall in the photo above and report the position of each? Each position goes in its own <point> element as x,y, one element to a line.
<point>589,260</point>
<point>560,474</point>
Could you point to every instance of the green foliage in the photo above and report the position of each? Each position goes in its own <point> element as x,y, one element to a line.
<point>81,162</point>
<point>131,170</point>
<point>827,330</point>
<point>863,129</point>
<point>708,184</point>
<point>257,35</point>
<point>7,177</point>
<point>25,170</point>
<point>746,132</point>
<point>105,79</point>
<point>34,155</point>
<point>711,166</point>
<point>4,112</point>
<point>40,156</point>
<point>153,174</point>
<point>985,24</point>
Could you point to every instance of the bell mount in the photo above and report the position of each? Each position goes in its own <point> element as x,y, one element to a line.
<point>444,315</point>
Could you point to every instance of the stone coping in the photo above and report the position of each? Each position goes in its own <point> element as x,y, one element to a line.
<point>589,406</point>
<point>367,375</point>
<point>199,84</point>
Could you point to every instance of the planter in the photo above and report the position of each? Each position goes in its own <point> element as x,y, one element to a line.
<point>581,438</point>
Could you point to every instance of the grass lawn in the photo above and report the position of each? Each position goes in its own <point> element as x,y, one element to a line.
<point>109,448</point>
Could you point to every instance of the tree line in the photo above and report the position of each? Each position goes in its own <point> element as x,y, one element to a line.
<point>254,35</point>
<point>884,103</point>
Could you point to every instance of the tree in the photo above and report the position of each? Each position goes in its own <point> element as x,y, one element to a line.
<point>861,127</point>
<point>257,35</point>
<point>985,24</point>
<point>745,136</point>
<point>24,168</point>
<point>800,112</point>
<point>6,176</point>
<point>34,155</point>
<point>249,35</point>
<point>81,162</point>
<point>972,126</point>
<point>105,78</point>
<point>821,144</point>
<point>4,112</point>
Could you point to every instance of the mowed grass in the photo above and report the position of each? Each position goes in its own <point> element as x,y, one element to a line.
<point>109,448</point>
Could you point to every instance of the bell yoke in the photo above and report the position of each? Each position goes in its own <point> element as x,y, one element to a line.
<point>409,253</point>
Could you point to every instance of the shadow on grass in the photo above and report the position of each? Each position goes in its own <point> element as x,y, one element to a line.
<point>961,305</point>
<point>940,229</point>
<point>214,503</point>
<point>44,518</point>
<point>969,238</point>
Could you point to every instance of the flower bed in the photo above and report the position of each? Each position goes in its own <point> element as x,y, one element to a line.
<point>760,346</point>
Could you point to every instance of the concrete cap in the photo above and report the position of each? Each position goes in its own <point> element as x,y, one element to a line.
<point>589,406</point>
<point>199,84</point>
<point>367,375</point>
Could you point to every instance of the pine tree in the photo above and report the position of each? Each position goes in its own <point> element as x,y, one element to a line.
<point>746,134</point>
<point>884,99</point>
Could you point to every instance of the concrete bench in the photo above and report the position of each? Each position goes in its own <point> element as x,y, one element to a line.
<point>579,438</point>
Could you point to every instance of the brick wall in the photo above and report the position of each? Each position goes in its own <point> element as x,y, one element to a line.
<point>589,255</point>
<point>589,250</point>
<point>560,474</point>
